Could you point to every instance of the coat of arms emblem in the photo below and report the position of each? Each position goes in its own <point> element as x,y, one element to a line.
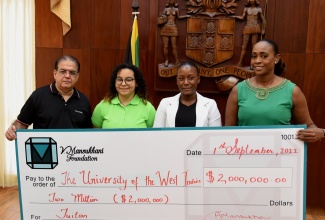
<point>210,33</point>
<point>210,38</point>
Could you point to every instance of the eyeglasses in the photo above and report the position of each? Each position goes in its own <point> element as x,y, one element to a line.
<point>63,72</point>
<point>128,81</point>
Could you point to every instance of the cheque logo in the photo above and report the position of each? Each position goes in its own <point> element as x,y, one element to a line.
<point>41,153</point>
<point>75,153</point>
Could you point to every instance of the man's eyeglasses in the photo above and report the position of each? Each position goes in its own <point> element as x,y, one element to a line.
<point>63,72</point>
<point>128,81</point>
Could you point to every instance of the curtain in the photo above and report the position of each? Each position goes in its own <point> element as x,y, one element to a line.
<point>17,74</point>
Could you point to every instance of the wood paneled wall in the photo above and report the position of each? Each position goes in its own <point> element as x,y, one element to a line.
<point>99,35</point>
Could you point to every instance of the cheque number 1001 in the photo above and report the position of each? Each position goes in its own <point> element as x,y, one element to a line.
<point>287,136</point>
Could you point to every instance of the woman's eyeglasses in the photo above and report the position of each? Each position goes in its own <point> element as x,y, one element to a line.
<point>128,81</point>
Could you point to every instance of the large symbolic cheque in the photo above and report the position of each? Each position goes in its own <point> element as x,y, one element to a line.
<point>162,174</point>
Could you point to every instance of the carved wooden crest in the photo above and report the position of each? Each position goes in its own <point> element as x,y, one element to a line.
<point>211,6</point>
<point>212,37</point>
<point>210,33</point>
<point>210,40</point>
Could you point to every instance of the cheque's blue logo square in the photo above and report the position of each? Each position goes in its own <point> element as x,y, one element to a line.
<point>41,153</point>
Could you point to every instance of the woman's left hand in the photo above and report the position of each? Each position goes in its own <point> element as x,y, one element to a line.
<point>310,134</point>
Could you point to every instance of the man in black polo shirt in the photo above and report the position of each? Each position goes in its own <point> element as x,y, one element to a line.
<point>58,105</point>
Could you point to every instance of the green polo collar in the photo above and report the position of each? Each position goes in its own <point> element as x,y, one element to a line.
<point>135,101</point>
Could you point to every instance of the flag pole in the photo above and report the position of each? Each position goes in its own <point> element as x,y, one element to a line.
<point>135,35</point>
<point>132,49</point>
<point>135,7</point>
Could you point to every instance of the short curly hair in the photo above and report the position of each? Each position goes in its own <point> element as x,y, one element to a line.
<point>140,90</point>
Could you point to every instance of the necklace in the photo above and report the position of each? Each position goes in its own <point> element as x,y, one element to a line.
<point>263,93</point>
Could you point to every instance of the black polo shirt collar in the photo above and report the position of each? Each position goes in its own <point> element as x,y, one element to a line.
<point>54,90</point>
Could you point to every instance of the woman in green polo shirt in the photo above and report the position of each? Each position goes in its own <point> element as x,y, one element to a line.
<point>126,104</point>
